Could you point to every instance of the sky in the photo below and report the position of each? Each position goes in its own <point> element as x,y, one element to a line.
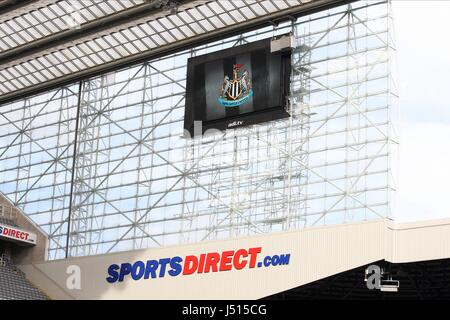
<point>423,67</point>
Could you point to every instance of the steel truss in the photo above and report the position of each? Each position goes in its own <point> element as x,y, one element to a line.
<point>102,166</point>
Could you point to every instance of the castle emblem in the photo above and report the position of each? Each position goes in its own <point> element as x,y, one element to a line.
<point>238,90</point>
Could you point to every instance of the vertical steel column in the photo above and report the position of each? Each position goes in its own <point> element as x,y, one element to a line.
<point>77,121</point>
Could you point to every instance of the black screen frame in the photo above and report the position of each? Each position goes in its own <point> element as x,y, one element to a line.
<point>230,122</point>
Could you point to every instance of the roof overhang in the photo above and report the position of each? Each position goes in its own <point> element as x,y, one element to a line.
<point>46,44</point>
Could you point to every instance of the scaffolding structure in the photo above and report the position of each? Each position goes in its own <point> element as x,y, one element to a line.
<point>102,165</point>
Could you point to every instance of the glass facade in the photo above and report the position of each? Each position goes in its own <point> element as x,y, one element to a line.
<point>101,165</point>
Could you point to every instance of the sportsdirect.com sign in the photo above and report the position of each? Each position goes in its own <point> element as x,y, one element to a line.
<point>192,264</point>
<point>16,234</point>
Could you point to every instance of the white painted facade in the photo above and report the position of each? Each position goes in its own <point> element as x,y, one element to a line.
<point>315,253</point>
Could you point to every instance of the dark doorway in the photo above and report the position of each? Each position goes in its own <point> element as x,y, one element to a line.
<point>423,280</point>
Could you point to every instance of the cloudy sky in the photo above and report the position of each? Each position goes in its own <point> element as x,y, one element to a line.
<point>423,54</point>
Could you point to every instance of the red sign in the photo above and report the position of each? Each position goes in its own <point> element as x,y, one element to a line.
<point>17,234</point>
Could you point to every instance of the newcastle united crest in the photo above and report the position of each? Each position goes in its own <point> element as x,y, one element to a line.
<point>238,90</point>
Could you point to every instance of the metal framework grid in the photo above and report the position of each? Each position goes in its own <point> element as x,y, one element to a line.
<point>110,151</point>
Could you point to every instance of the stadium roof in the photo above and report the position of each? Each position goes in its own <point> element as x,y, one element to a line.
<point>48,43</point>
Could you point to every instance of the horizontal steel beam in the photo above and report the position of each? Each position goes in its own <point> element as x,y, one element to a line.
<point>11,5</point>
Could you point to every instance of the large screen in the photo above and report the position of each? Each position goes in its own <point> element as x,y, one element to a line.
<point>236,87</point>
